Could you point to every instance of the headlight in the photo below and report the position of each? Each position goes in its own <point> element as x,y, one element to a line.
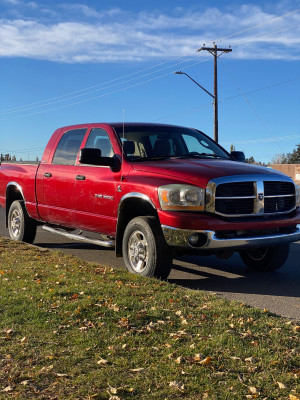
<point>297,188</point>
<point>178,197</point>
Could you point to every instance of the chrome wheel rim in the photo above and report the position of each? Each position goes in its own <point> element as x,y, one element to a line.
<point>15,223</point>
<point>138,251</point>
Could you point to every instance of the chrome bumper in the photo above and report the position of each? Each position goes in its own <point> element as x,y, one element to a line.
<point>180,238</point>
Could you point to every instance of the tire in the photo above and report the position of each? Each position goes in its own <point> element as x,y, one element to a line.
<point>265,259</point>
<point>145,250</point>
<point>20,226</point>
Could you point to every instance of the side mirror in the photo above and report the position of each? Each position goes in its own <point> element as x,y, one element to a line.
<point>91,156</point>
<point>238,156</point>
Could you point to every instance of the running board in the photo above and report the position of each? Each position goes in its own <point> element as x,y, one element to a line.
<point>104,243</point>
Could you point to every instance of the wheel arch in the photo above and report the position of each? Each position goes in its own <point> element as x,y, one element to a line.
<point>132,205</point>
<point>13,192</point>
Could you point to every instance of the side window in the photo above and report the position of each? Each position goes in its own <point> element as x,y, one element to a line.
<point>68,147</point>
<point>99,139</point>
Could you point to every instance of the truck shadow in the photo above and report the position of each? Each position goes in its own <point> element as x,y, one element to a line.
<point>230,275</point>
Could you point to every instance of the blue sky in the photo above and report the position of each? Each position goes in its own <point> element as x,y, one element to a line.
<point>74,62</point>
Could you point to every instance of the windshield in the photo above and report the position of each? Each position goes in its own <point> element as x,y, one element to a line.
<point>148,142</point>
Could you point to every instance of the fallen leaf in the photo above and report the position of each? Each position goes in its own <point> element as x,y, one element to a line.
<point>179,360</point>
<point>102,362</point>
<point>137,369</point>
<point>281,385</point>
<point>48,368</point>
<point>177,385</point>
<point>61,375</point>
<point>24,383</point>
<point>250,360</point>
<point>206,361</point>
<point>113,390</point>
<point>292,397</point>
<point>24,340</point>
<point>253,390</point>
<point>7,389</point>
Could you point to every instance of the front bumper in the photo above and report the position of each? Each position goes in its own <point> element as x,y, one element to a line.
<point>210,240</point>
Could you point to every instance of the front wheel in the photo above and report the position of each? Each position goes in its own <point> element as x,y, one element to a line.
<point>265,258</point>
<point>145,250</point>
<point>20,225</point>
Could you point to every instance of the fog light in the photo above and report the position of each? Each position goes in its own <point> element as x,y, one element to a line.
<point>197,239</point>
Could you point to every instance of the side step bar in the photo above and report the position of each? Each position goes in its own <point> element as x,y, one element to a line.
<point>104,243</point>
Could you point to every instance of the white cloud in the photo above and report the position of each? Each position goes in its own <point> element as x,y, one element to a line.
<point>115,35</point>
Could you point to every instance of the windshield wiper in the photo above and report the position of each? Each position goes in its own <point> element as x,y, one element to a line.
<point>204,155</point>
<point>152,158</point>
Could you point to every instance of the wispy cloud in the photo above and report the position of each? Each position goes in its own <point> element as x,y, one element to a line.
<point>79,33</point>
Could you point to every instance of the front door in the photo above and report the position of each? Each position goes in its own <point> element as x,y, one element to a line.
<point>95,189</point>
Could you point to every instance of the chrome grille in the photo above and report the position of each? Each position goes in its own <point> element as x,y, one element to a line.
<point>252,195</point>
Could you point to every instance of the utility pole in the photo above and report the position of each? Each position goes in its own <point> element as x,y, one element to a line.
<point>214,51</point>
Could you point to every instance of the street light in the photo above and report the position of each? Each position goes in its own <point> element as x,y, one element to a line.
<point>215,103</point>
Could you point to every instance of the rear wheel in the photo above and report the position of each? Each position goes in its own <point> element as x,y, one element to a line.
<point>145,250</point>
<point>20,225</point>
<point>265,258</point>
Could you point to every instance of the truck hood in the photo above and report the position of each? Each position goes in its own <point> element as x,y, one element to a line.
<point>200,171</point>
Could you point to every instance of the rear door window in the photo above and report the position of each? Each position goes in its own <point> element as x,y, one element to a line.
<point>68,147</point>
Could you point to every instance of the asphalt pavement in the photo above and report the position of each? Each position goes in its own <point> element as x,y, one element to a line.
<point>278,291</point>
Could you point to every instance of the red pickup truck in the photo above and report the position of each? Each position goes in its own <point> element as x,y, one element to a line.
<point>152,191</point>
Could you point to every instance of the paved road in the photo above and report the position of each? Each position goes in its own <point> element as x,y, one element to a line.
<point>278,292</point>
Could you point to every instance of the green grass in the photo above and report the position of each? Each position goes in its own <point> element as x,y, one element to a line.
<point>76,330</point>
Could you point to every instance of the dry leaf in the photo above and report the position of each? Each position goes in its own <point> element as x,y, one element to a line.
<point>61,375</point>
<point>292,397</point>
<point>24,340</point>
<point>24,383</point>
<point>281,385</point>
<point>177,385</point>
<point>7,389</point>
<point>253,390</point>
<point>46,369</point>
<point>250,360</point>
<point>206,361</point>
<point>102,362</point>
<point>112,390</point>
<point>296,328</point>
<point>137,369</point>
<point>179,360</point>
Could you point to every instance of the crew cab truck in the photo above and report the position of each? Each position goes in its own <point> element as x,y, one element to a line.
<point>152,192</point>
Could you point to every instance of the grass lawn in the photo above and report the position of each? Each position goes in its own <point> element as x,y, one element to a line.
<point>70,329</point>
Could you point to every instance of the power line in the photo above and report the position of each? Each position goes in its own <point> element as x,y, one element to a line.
<point>192,109</point>
<point>90,87</point>
<point>288,14</point>
<point>97,97</point>
<point>24,108</point>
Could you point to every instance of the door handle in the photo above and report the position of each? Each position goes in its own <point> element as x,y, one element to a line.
<point>47,174</point>
<point>80,177</point>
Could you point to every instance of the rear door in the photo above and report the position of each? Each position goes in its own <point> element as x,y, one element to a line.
<point>59,179</point>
